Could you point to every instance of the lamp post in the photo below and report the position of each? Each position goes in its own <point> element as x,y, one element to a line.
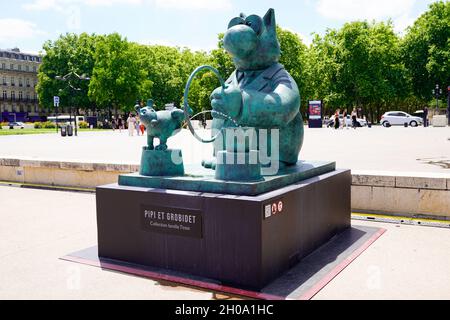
<point>437,91</point>
<point>448,104</point>
<point>68,79</point>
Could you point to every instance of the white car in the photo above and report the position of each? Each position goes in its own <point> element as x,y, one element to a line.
<point>400,118</point>
<point>16,125</point>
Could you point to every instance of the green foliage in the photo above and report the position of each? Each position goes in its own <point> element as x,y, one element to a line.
<point>83,125</point>
<point>38,125</point>
<point>426,50</point>
<point>293,57</point>
<point>44,125</point>
<point>360,66</point>
<point>117,73</point>
<point>363,64</point>
<point>70,53</point>
<point>48,125</point>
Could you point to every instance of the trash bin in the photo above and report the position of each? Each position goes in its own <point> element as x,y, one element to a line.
<point>63,131</point>
<point>70,130</point>
<point>406,125</point>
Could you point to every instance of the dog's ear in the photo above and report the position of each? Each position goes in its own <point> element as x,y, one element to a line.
<point>269,20</point>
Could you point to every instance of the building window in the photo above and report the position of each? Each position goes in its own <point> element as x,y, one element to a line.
<point>11,66</point>
<point>3,66</point>
<point>36,108</point>
<point>13,81</point>
<point>4,81</point>
<point>5,94</point>
<point>20,82</point>
<point>28,96</point>
<point>20,95</point>
<point>13,95</point>
<point>27,68</point>
<point>19,67</point>
<point>28,83</point>
<point>34,68</point>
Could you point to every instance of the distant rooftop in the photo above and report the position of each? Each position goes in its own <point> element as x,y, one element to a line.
<point>15,53</point>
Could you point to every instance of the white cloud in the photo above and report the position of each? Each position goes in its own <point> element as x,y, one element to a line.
<point>404,21</point>
<point>194,4</point>
<point>17,29</point>
<point>400,11</point>
<point>363,9</point>
<point>41,5</point>
<point>306,40</point>
<point>59,5</point>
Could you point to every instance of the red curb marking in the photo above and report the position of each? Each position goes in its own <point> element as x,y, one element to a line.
<point>225,289</point>
<point>339,268</point>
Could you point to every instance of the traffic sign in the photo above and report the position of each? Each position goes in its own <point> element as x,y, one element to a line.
<point>56,101</point>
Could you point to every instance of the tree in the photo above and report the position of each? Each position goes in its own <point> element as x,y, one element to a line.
<point>70,53</point>
<point>293,57</point>
<point>358,66</point>
<point>426,50</point>
<point>117,74</point>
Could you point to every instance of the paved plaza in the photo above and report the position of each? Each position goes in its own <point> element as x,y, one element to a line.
<point>39,227</point>
<point>382,149</point>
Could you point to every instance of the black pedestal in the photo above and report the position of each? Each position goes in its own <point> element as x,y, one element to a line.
<point>241,241</point>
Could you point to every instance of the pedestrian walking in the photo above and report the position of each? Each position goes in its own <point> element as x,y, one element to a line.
<point>131,121</point>
<point>137,126</point>
<point>425,117</point>
<point>120,123</point>
<point>344,123</point>
<point>354,118</point>
<point>113,123</point>
<point>337,123</point>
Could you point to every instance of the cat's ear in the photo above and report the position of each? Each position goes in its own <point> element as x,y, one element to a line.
<point>269,19</point>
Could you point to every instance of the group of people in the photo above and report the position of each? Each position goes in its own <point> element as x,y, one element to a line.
<point>133,124</point>
<point>337,122</point>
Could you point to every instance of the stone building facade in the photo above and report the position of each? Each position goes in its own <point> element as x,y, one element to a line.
<point>18,80</point>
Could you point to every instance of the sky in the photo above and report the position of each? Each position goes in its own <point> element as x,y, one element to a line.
<point>27,24</point>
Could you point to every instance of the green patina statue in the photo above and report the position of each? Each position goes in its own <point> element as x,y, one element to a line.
<point>257,126</point>
<point>161,124</point>
<point>260,94</point>
<point>164,124</point>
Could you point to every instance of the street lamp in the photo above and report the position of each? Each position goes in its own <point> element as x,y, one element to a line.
<point>437,91</point>
<point>67,78</point>
<point>448,104</point>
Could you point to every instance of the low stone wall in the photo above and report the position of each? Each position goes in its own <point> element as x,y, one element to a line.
<point>405,194</point>
<point>63,174</point>
<point>440,121</point>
